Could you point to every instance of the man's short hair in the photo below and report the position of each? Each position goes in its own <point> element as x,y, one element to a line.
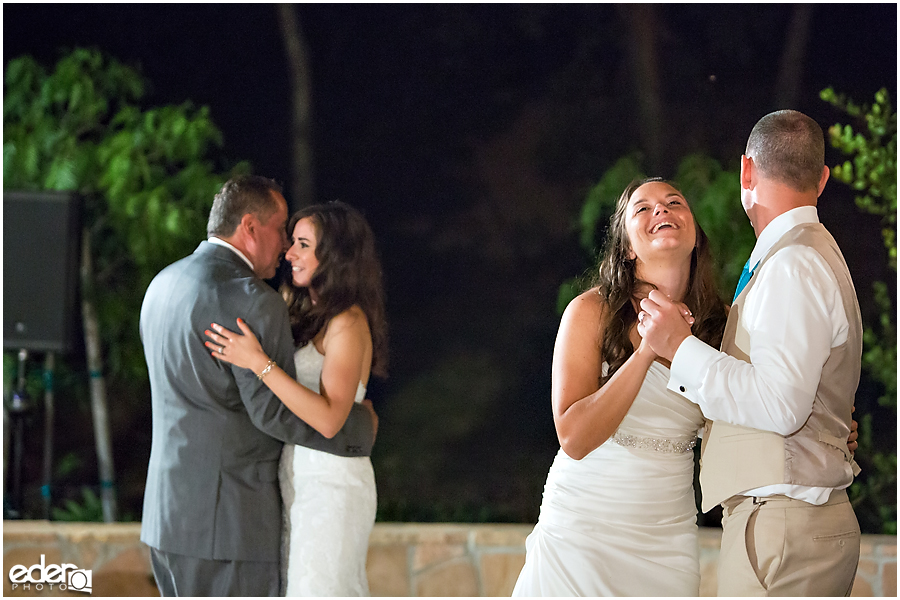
<point>241,195</point>
<point>789,147</point>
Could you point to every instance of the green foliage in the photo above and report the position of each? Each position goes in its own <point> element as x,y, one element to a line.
<point>144,174</point>
<point>711,191</point>
<point>90,509</point>
<point>871,170</point>
<point>880,355</point>
<point>874,493</point>
<point>69,463</point>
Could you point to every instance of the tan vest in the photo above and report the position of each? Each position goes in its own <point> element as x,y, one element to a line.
<point>734,459</point>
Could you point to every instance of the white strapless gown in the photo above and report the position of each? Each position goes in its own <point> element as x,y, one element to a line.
<point>329,509</point>
<point>623,520</point>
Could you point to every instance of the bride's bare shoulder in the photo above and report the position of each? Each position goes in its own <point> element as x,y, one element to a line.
<point>586,310</point>
<point>587,305</point>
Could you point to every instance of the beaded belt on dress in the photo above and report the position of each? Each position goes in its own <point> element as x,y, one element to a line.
<point>655,444</point>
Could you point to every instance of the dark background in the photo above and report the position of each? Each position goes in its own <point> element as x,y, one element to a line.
<point>469,136</point>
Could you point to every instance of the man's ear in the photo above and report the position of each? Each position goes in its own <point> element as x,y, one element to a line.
<point>823,180</point>
<point>747,172</point>
<point>248,224</point>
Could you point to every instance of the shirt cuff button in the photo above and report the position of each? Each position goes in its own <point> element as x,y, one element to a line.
<point>681,387</point>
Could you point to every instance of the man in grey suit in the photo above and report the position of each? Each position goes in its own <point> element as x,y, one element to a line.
<point>212,506</point>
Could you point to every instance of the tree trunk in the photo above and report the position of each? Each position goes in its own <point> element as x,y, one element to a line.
<point>98,383</point>
<point>790,73</point>
<point>302,186</point>
<point>642,31</point>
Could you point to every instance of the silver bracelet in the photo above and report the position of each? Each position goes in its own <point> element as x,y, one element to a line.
<point>265,371</point>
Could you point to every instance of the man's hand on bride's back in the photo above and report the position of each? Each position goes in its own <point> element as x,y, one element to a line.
<point>368,404</point>
<point>852,443</point>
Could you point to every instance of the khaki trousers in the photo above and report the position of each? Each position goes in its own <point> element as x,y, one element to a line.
<point>778,546</point>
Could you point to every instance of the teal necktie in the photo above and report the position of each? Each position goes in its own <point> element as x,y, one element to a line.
<point>746,274</point>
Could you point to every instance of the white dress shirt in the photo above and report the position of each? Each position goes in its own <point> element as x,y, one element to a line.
<point>795,316</point>
<point>221,242</point>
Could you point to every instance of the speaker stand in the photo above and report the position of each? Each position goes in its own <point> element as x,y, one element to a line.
<point>17,409</point>
<point>49,367</point>
<point>19,406</point>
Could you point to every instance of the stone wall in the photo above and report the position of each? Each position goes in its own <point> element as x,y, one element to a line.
<point>405,559</point>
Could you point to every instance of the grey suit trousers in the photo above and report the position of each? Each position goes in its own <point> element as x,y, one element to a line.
<point>179,575</point>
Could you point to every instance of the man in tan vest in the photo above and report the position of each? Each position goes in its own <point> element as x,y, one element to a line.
<point>780,393</point>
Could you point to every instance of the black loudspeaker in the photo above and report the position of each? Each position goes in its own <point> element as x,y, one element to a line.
<point>41,239</point>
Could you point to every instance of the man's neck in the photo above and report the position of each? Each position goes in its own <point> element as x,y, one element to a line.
<point>773,199</point>
<point>237,248</point>
<point>778,227</point>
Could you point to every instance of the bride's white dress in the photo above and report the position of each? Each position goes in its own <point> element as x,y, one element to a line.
<point>329,509</point>
<point>623,520</point>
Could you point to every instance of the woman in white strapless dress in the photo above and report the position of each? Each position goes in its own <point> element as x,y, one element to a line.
<point>329,509</point>
<point>618,516</point>
<point>335,301</point>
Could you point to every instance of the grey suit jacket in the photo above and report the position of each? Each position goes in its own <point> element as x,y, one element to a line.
<point>212,482</point>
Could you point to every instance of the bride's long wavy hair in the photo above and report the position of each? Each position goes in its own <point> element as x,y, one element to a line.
<point>620,286</point>
<point>349,273</point>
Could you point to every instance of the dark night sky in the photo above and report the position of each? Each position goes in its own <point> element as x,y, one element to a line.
<point>388,86</point>
<point>466,133</point>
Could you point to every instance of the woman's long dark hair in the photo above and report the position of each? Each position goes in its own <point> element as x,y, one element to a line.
<point>349,273</point>
<point>619,285</point>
